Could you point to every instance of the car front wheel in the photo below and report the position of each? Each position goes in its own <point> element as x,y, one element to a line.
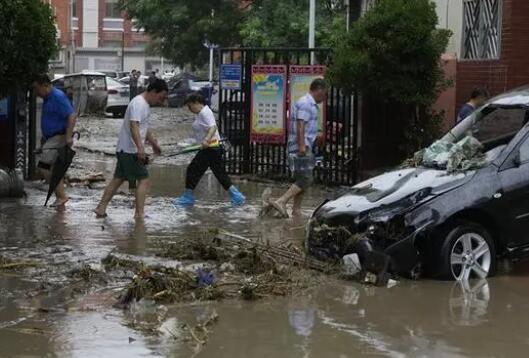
<point>468,252</point>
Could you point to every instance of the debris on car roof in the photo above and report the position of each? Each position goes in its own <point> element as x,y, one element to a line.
<point>467,154</point>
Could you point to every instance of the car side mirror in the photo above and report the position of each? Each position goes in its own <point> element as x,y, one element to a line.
<point>517,159</point>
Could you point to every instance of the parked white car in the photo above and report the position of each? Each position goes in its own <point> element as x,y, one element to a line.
<point>143,82</point>
<point>118,98</point>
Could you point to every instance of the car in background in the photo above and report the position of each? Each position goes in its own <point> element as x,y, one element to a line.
<point>451,213</point>
<point>181,85</point>
<point>87,91</point>
<point>118,98</point>
<point>143,82</point>
<point>109,73</point>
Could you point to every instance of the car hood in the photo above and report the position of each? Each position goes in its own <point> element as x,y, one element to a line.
<point>392,187</point>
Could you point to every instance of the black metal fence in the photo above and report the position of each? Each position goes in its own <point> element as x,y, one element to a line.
<point>340,155</point>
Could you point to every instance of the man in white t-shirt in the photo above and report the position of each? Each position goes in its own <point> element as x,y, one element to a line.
<point>210,156</point>
<point>132,160</point>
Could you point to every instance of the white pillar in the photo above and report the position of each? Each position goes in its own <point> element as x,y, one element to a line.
<point>312,27</point>
<point>90,23</point>
<point>210,63</point>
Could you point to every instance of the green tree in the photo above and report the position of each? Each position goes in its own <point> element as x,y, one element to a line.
<point>271,23</point>
<point>393,54</point>
<point>181,27</point>
<point>28,38</point>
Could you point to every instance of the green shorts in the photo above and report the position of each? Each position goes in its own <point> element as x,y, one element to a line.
<point>129,168</point>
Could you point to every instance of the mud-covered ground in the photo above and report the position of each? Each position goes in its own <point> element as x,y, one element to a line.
<point>58,299</point>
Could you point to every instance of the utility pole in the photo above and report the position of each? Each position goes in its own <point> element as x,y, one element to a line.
<point>123,50</point>
<point>71,65</point>
<point>211,47</point>
<point>312,28</point>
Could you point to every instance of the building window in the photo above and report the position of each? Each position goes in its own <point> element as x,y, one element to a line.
<point>111,43</point>
<point>112,9</point>
<point>74,8</point>
<point>139,44</point>
<point>481,29</point>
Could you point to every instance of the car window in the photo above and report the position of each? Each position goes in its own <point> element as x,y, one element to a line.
<point>499,123</point>
<point>524,151</point>
<point>96,83</point>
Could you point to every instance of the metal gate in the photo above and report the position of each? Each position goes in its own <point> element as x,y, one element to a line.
<point>340,155</point>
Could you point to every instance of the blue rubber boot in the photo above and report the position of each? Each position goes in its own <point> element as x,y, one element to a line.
<point>187,199</point>
<point>237,198</point>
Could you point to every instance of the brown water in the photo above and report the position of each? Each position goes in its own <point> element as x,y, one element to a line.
<point>40,316</point>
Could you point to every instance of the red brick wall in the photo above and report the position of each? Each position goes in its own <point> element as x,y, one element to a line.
<point>512,69</point>
<point>446,103</point>
<point>130,35</point>
<point>79,33</point>
<point>61,9</point>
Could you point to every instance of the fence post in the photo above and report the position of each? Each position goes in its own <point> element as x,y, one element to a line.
<point>32,141</point>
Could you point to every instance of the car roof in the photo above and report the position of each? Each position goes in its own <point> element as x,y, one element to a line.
<point>516,98</point>
<point>85,73</point>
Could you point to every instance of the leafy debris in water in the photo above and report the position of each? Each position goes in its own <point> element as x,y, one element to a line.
<point>7,264</point>
<point>255,270</point>
<point>88,274</point>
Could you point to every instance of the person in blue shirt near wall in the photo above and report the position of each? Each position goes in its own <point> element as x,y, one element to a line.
<point>57,124</point>
<point>477,99</point>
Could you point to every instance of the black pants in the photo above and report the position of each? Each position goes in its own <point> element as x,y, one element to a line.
<point>207,158</point>
<point>133,92</point>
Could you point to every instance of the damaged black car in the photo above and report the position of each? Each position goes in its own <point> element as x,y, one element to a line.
<point>451,212</point>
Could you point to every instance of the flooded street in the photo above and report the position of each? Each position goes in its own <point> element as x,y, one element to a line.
<point>42,313</point>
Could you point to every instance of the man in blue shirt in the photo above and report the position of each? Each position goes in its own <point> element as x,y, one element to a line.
<point>477,99</point>
<point>302,137</point>
<point>57,124</point>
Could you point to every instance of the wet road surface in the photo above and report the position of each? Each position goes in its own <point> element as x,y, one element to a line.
<point>40,316</point>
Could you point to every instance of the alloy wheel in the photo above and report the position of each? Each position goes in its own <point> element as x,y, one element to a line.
<point>470,256</point>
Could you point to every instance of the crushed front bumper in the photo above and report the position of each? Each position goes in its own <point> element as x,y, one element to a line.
<point>380,257</point>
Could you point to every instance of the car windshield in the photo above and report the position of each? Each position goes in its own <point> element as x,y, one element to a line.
<point>477,141</point>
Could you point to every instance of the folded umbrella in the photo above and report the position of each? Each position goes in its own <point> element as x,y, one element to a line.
<point>63,162</point>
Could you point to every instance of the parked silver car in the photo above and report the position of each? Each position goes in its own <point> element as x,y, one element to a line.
<point>118,97</point>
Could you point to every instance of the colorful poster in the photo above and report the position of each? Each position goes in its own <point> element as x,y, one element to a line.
<point>268,103</point>
<point>230,77</point>
<point>300,79</point>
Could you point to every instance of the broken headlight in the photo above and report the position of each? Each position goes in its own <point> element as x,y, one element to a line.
<point>387,212</point>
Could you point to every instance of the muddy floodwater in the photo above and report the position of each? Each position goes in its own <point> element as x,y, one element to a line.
<point>43,313</point>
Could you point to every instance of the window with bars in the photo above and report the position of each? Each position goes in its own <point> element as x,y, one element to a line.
<point>481,29</point>
<point>112,9</point>
<point>74,8</point>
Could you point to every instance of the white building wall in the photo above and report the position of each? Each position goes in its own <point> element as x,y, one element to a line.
<point>134,62</point>
<point>90,23</point>
<point>450,14</point>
